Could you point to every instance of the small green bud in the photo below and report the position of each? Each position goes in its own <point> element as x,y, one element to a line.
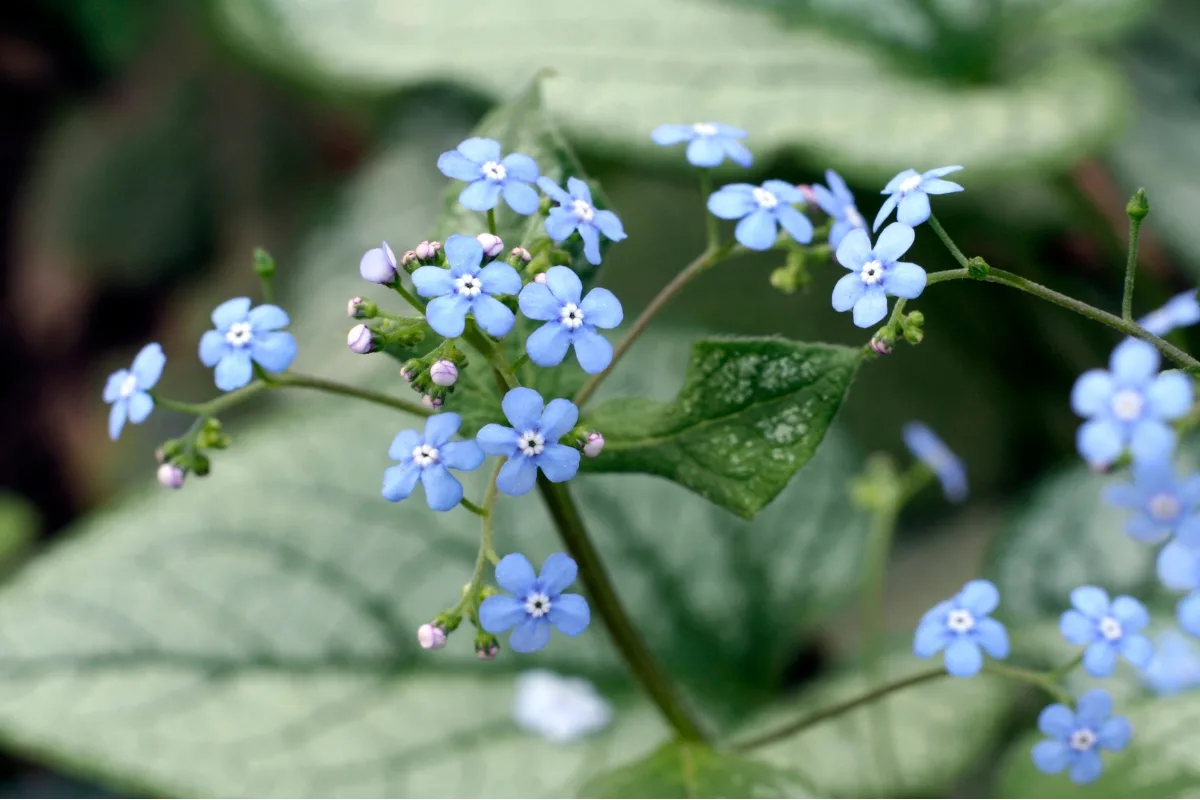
<point>264,264</point>
<point>488,591</point>
<point>486,646</point>
<point>360,308</point>
<point>977,268</point>
<point>914,335</point>
<point>199,464</point>
<point>1137,208</point>
<point>915,318</point>
<point>406,337</point>
<point>212,436</point>
<point>784,280</point>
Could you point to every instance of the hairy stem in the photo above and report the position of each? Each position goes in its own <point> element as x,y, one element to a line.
<point>1131,258</point>
<point>228,400</point>
<point>1041,680</point>
<point>491,220</point>
<point>712,232</point>
<point>946,240</point>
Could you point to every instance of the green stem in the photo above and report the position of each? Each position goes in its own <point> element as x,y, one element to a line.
<point>412,299</point>
<point>879,546</point>
<point>268,288</point>
<point>946,240</point>
<point>486,552</point>
<point>608,606</point>
<point>1135,226</point>
<point>474,509</point>
<point>520,362</point>
<point>1041,680</point>
<point>491,219</point>
<point>711,229</point>
<point>1066,669</point>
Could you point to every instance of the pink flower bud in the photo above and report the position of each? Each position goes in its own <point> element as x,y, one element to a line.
<point>487,653</point>
<point>407,374</point>
<point>881,347</point>
<point>170,476</point>
<point>431,402</point>
<point>360,340</point>
<point>425,251</point>
<point>409,257</point>
<point>594,445</point>
<point>810,197</point>
<point>539,278</point>
<point>351,307</point>
<point>492,244</point>
<point>522,253</point>
<point>444,373</point>
<point>431,637</point>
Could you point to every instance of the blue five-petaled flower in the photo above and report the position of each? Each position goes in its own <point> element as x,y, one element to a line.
<point>876,273</point>
<point>961,626</point>
<point>1108,629</point>
<point>838,203</point>
<point>708,142</point>
<point>1129,406</point>
<point>477,161</point>
<point>762,209</point>
<point>1179,570</point>
<point>910,191</point>
<point>576,212</point>
<point>569,320</point>
<point>532,441</point>
<point>129,389</point>
<point>430,457</point>
<point>1163,504</point>
<point>464,287</point>
<point>244,335</point>
<point>924,444</point>
<point>1076,737</point>
<point>535,602</point>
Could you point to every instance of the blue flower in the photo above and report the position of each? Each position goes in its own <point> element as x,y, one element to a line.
<point>961,626</point>
<point>925,445</point>
<point>244,335</point>
<point>1076,737</point>
<point>575,212</point>
<point>378,265</point>
<point>1128,406</point>
<point>1175,667</point>
<point>838,203</point>
<point>430,457</point>
<point>532,443</point>
<point>559,709</point>
<point>464,287</point>
<point>1179,570</point>
<point>1180,311</point>
<point>911,189</point>
<point>128,389</point>
<point>1162,503</point>
<point>1107,629</point>
<point>534,602</point>
<point>875,273</point>
<point>477,161</point>
<point>570,320</point>
<point>709,142</point>
<point>762,209</point>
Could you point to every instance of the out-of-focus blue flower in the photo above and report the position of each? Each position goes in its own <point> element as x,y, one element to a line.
<point>875,273</point>
<point>244,335</point>
<point>575,212</point>
<point>1179,570</point>
<point>1180,311</point>
<point>708,142</point>
<point>1076,737</point>
<point>1175,667</point>
<point>477,161</point>
<point>1162,503</point>
<point>560,710</point>
<point>838,203</point>
<point>1107,629</point>
<point>464,287</point>
<point>128,390</point>
<point>430,457</point>
<point>910,190</point>
<point>535,602</point>
<point>925,445</point>
<point>962,627</point>
<point>762,209</point>
<point>532,441</point>
<point>1128,406</point>
<point>569,320</point>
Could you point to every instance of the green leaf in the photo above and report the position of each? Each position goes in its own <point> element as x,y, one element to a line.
<point>693,60</point>
<point>686,769</point>
<point>750,414</point>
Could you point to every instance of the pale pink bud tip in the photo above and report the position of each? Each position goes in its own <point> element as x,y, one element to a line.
<point>539,278</point>
<point>444,373</point>
<point>487,653</point>
<point>522,253</point>
<point>431,402</point>
<point>407,374</point>
<point>492,244</point>
<point>170,476</point>
<point>881,347</point>
<point>425,250</point>
<point>594,445</point>
<point>431,637</point>
<point>359,340</point>
<point>352,307</point>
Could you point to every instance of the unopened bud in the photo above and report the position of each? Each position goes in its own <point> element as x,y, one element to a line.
<point>361,340</point>
<point>486,652</point>
<point>431,637</point>
<point>594,445</point>
<point>431,402</point>
<point>539,278</point>
<point>378,265</point>
<point>1137,208</point>
<point>160,455</point>
<point>358,308</point>
<point>427,251</point>
<point>407,374</point>
<point>264,265</point>
<point>810,197</point>
<point>408,258</point>
<point>915,318</point>
<point>977,268</point>
<point>521,254</point>
<point>881,346</point>
<point>914,335</point>
<point>170,476</point>
<point>444,373</point>
<point>492,244</point>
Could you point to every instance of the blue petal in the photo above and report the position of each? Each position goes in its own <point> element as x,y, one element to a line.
<point>1188,531</point>
<point>1130,613</point>
<point>466,455</point>
<point>1179,567</point>
<point>492,315</point>
<point>560,223</point>
<point>1100,659</point>
<point>404,443</point>
<point>963,658</point>
<point>796,224</point>
<point>609,224</point>
<point>871,307</point>
<point>1091,600</point>
<point>1146,529</point>
<point>667,135</point>
<point>828,203</point>
<point>729,131</point>
<point>1152,440</point>
<point>523,408</point>
<point>900,177</point>
<point>564,284</point>
<point>520,167</point>
<point>497,440</point>
<point>979,597</point>
<point>448,314</point>
<point>1056,720</point>
<point>481,195</point>
<point>442,490</point>
<point>148,365</point>
<point>521,197</point>
<point>234,370</point>
<point>1170,395</point>
<point>1099,442</point>
<point>784,192</point>
<point>893,242</point>
<point>848,291</point>
<point>936,186</point>
<point>705,151</point>
<point>433,281</point>
<point>399,481</point>
<point>930,637</point>
<point>213,348</point>
<point>553,191</point>
<point>904,279</point>
<point>116,418</point>
<point>517,476</point>
<point>579,190</point>
<point>757,230</point>
<point>854,250</point>
<point>591,242</point>
<point>537,302</point>
<point>1087,767</point>
<point>884,210</point>
<point>558,462</point>
<point>1188,612</point>
<point>570,614</point>
<point>112,387</point>
<point>1137,650</point>
<point>439,428</point>
<point>500,612</point>
<point>480,150</point>
<point>558,572</point>
<point>592,349</point>
<point>274,351</point>
<point>530,636</point>
<point>231,312</point>
<point>733,201</point>
<point>515,575</point>
<point>602,309</point>
<point>464,254</point>
<point>1114,734</point>
<point>1092,393</point>
<point>454,164</point>
<point>558,418</point>
<point>140,405</point>
<point>992,637</point>
<point>841,192</point>
<point>547,346</point>
<point>1133,362</point>
<point>737,152</point>
<point>1077,628</point>
<point>1092,708</point>
<point>937,172</point>
<point>1050,756</point>
<point>499,278</point>
<point>267,318</point>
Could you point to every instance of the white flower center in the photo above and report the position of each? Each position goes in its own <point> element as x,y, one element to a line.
<point>908,184</point>
<point>494,171</point>
<point>960,621</point>
<point>537,604</point>
<point>1083,739</point>
<point>424,455</point>
<point>468,286</point>
<point>239,334</point>
<point>765,199</point>
<point>872,272</point>
<point>531,443</point>
<point>1110,629</point>
<point>583,209</point>
<point>1127,405</point>
<point>1164,506</point>
<point>128,386</point>
<point>571,316</point>
<point>705,129</point>
<point>853,217</point>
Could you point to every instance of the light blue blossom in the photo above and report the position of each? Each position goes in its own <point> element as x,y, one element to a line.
<point>1076,737</point>
<point>1179,570</point>
<point>477,161</point>
<point>378,265</point>
<point>708,142</point>
<point>532,441</point>
<point>1180,311</point>
<point>1129,406</point>
<point>962,627</point>
<point>1163,504</point>
<point>925,445</point>
<point>576,212</point>
<point>1106,629</point>
<point>128,390</point>
<point>875,273</point>
<point>244,335</point>
<point>570,321</point>
<point>1175,667</point>
<point>838,203</point>
<point>430,456</point>
<point>560,710</point>
<point>535,602</point>
<point>910,190</point>
<point>762,209</point>
<point>465,288</point>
